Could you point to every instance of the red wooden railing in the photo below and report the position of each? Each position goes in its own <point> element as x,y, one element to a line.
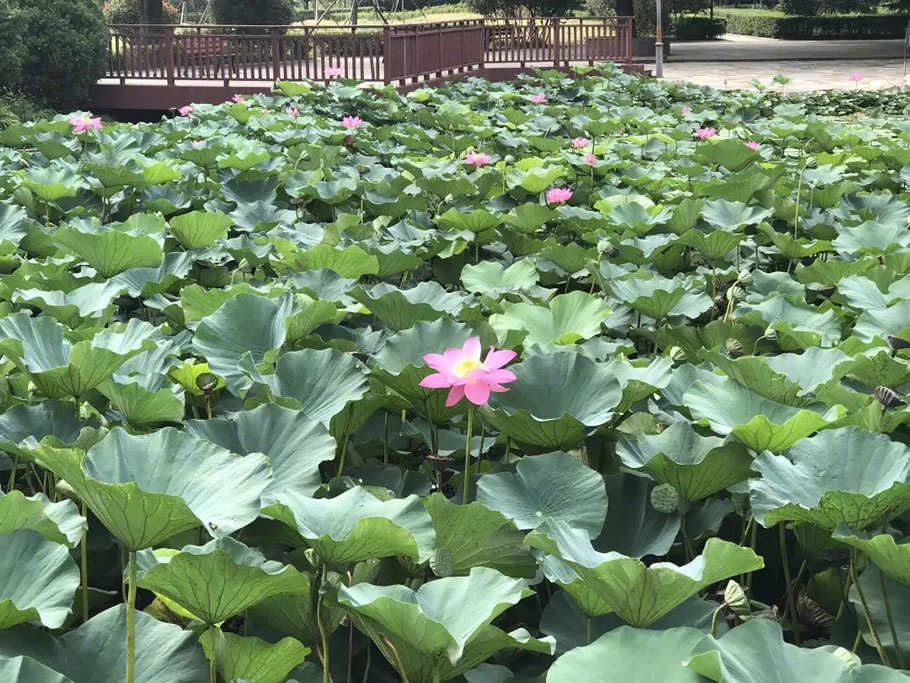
<point>379,53</point>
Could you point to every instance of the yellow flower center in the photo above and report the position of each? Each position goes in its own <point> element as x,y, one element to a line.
<point>466,366</point>
<point>87,119</point>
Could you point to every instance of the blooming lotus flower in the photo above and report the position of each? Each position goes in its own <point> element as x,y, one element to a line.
<point>351,122</point>
<point>333,71</point>
<point>687,110</point>
<point>81,124</point>
<point>559,195</point>
<point>705,133</point>
<point>293,111</point>
<point>465,375</point>
<point>198,143</point>
<point>238,98</point>
<point>590,159</point>
<point>753,145</point>
<point>579,143</point>
<point>856,76</point>
<point>186,110</point>
<point>265,111</point>
<point>479,159</point>
<point>537,98</point>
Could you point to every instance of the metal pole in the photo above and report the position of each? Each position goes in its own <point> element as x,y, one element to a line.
<point>659,45</point>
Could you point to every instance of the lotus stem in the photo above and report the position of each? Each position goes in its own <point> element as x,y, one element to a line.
<point>83,550</point>
<point>131,620</point>
<point>385,440</point>
<point>862,599</point>
<point>344,440</point>
<point>213,670</point>
<point>508,449</point>
<point>791,602</point>
<point>588,633</point>
<point>326,675</point>
<point>366,668</point>
<point>467,456</point>
<point>397,663</point>
<point>12,474</point>
<point>894,639</point>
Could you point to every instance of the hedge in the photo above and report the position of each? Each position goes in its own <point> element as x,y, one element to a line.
<point>854,26</point>
<point>699,28</point>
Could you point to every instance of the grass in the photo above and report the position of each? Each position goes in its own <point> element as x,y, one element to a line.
<point>759,12</point>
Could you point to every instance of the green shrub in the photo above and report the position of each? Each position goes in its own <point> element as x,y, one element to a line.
<point>11,25</point>
<point>803,8</point>
<point>240,12</point>
<point>64,46</point>
<point>646,17</point>
<point>127,12</point>
<point>844,27</point>
<point>699,28</point>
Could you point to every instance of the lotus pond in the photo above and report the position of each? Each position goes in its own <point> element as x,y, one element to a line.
<point>247,352</point>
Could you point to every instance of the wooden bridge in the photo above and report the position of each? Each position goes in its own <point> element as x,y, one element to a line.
<point>161,67</point>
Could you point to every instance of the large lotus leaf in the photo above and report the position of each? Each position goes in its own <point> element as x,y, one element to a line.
<point>96,652</point>
<point>251,659</point>
<point>22,427</point>
<point>399,309</point>
<point>567,319</point>
<point>356,526</point>
<point>553,486</point>
<point>634,655</point>
<point>350,262</point>
<point>796,324</point>
<point>639,593</point>
<point>141,406</point>
<point>535,179</point>
<point>38,579</point>
<point>431,629</point>
<point>822,480</point>
<point>889,555</point>
<point>109,250</point>
<point>472,535</point>
<point>246,323</point>
<point>311,313</point>
<point>760,423</point>
<point>879,324</point>
<point>660,298</point>
<point>13,219</point>
<point>713,245</point>
<point>730,153</point>
<point>184,480</point>
<point>756,651</point>
<point>870,237</point>
<point>57,522</point>
<point>697,466</point>
<point>321,383</point>
<point>494,279</point>
<point>476,220</point>
<point>94,301</point>
<point>555,400</point>
<point>641,379</point>
<point>198,229</point>
<point>633,527</point>
<point>293,443</point>
<point>25,670</point>
<point>217,580</point>
<point>892,599</point>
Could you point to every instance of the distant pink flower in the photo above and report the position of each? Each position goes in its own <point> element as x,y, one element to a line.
<point>856,76</point>
<point>186,110</point>
<point>265,111</point>
<point>462,372</point>
<point>590,159</point>
<point>687,110</point>
<point>333,71</point>
<point>705,133</point>
<point>351,122</point>
<point>479,159</point>
<point>238,98</point>
<point>81,124</point>
<point>537,98</point>
<point>198,143</point>
<point>753,145</point>
<point>559,195</point>
<point>579,143</point>
<point>293,111</point>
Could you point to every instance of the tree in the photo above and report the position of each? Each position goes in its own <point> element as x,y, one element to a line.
<point>150,11</point>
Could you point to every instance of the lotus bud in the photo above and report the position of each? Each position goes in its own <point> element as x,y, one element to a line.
<point>744,278</point>
<point>811,613</point>
<point>736,293</point>
<point>676,354</point>
<point>889,398</point>
<point>312,557</point>
<point>898,343</point>
<point>733,347</point>
<point>665,498</point>
<point>736,600</point>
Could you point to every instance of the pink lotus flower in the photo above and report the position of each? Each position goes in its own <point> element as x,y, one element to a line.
<point>462,372</point>
<point>293,111</point>
<point>238,98</point>
<point>479,159</point>
<point>856,76</point>
<point>265,111</point>
<point>705,133</point>
<point>198,143</point>
<point>753,145</point>
<point>687,110</point>
<point>537,98</point>
<point>81,124</point>
<point>333,71</point>
<point>186,110</point>
<point>590,159</point>
<point>559,195</point>
<point>351,122</point>
<point>579,143</point>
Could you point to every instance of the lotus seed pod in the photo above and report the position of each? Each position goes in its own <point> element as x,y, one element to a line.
<point>898,342</point>
<point>665,498</point>
<point>889,398</point>
<point>736,294</point>
<point>734,348</point>
<point>745,278</point>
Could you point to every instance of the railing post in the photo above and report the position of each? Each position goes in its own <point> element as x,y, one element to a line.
<point>483,42</point>
<point>386,54</point>
<point>276,58</point>
<point>556,44</point>
<point>628,41</point>
<point>169,54</point>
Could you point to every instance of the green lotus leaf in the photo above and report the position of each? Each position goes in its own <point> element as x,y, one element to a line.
<point>400,309</point>
<point>188,482</point>
<point>634,655</point>
<point>535,179</point>
<point>549,487</point>
<point>528,218</point>
<point>187,374</point>
<point>51,185</point>
<point>13,219</point>
<point>639,380</point>
<point>356,526</point>
<point>884,598</point>
<point>759,423</point>
<point>797,325</point>
<point>472,535</point>
<point>660,298</point>
<point>730,153</point>
<point>109,250</point>
<point>639,593</point>
<point>889,555</point>
<point>141,406</point>
<point>252,659</point>
<point>246,323</point>
<point>879,324</point>
<point>870,237</point>
<point>713,245</point>
<point>39,579</point>
<point>310,314</point>
<point>321,383</point>
<point>567,319</point>
<point>476,221</point>
<point>57,522</point>
<point>350,262</point>
<point>696,466</point>
<point>216,580</point>
<point>555,401</point>
<point>25,670</point>
<point>821,481</point>
<point>198,302</point>
<point>434,637</point>
<point>22,427</point>
<point>293,443</point>
<point>198,229</point>
<point>633,527</point>
<point>92,301</point>
<point>494,279</point>
<point>95,651</point>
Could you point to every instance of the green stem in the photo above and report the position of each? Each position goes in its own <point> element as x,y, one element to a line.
<point>12,474</point>
<point>213,670</point>
<point>131,621</point>
<point>385,440</point>
<point>791,603</point>
<point>326,675</point>
<point>84,561</point>
<point>467,455</point>
<point>862,599</point>
<point>344,442</point>
<point>397,663</point>
<point>588,636</point>
<point>897,645</point>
